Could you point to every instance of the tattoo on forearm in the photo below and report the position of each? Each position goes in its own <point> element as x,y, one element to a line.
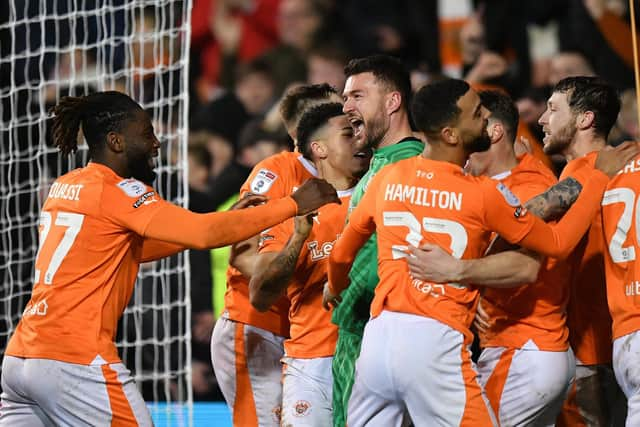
<point>279,272</point>
<point>554,202</point>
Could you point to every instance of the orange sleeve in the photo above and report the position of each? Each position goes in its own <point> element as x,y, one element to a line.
<point>554,240</point>
<point>153,249</point>
<point>360,227</point>
<point>205,231</point>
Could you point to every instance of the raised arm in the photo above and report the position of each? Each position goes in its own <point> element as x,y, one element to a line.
<point>203,231</point>
<point>274,270</point>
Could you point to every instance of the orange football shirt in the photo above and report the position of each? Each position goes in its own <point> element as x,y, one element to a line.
<point>588,315</point>
<point>312,333</point>
<point>95,229</point>
<point>535,311</point>
<point>419,200</point>
<point>275,177</point>
<point>621,223</point>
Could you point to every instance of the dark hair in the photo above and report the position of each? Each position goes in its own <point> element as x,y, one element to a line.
<point>312,120</point>
<point>435,105</point>
<point>256,66</point>
<point>503,109</point>
<point>388,70</point>
<point>592,94</point>
<point>98,113</point>
<point>254,132</point>
<point>296,101</point>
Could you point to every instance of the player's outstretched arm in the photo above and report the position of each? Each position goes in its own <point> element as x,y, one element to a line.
<point>204,231</point>
<point>508,269</point>
<point>153,249</point>
<point>273,270</point>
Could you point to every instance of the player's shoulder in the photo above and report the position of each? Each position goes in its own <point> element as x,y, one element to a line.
<point>586,161</point>
<point>531,172</point>
<point>289,168</point>
<point>629,175</point>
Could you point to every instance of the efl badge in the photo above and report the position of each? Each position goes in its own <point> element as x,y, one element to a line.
<point>511,198</point>
<point>132,187</point>
<point>263,181</point>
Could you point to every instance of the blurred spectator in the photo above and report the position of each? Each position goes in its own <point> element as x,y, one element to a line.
<point>531,105</point>
<point>299,22</point>
<point>220,150</point>
<point>256,144</point>
<point>200,165</point>
<point>626,127</point>
<point>567,64</point>
<point>325,64</point>
<point>225,116</point>
<point>255,86</point>
<point>228,31</point>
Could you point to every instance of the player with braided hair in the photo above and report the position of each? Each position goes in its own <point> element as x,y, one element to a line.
<point>97,225</point>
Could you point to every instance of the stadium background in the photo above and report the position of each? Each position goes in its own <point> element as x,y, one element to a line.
<point>210,72</point>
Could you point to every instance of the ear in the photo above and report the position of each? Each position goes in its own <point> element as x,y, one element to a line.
<point>115,142</point>
<point>319,149</point>
<point>496,132</point>
<point>393,102</point>
<point>585,120</point>
<point>449,135</point>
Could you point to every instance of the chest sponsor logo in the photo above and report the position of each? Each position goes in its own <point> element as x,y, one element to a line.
<point>263,181</point>
<point>320,251</point>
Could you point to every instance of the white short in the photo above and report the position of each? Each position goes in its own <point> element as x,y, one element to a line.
<point>626,365</point>
<point>307,390</point>
<point>44,392</point>
<point>414,367</point>
<point>526,387</point>
<point>246,361</point>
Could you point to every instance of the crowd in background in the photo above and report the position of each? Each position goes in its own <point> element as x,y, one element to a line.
<point>245,53</point>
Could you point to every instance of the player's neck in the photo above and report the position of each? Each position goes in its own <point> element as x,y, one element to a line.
<point>337,179</point>
<point>502,161</point>
<point>119,168</point>
<point>583,145</point>
<point>398,130</point>
<point>443,152</point>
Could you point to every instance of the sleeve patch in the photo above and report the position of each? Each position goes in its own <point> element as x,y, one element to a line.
<point>132,187</point>
<point>263,181</point>
<point>145,199</point>
<point>509,197</point>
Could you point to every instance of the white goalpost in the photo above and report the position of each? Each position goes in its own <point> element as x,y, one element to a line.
<point>53,48</point>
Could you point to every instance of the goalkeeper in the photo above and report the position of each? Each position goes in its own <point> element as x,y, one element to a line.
<point>98,223</point>
<point>376,101</point>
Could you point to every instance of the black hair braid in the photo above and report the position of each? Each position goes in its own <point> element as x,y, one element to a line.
<point>68,115</point>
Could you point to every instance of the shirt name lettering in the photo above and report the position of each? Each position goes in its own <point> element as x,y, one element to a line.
<point>420,196</point>
<point>65,191</point>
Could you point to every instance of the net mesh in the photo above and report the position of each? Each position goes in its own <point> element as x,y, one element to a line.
<point>53,48</point>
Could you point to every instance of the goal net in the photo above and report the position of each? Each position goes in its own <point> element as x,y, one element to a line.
<point>53,48</point>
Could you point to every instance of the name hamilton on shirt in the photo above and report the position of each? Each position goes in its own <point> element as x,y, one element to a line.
<point>421,196</point>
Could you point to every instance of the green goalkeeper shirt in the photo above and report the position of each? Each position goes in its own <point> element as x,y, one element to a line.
<point>353,312</point>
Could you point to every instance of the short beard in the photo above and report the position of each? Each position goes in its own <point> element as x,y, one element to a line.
<point>558,143</point>
<point>374,133</point>
<point>479,144</point>
<point>138,165</point>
